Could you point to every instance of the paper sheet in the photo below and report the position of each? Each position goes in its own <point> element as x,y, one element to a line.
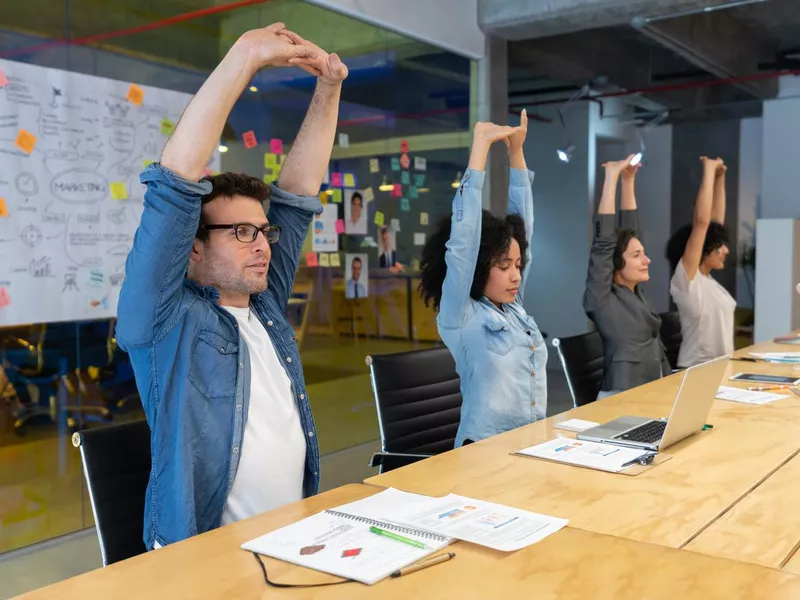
<point>492,525</point>
<point>605,457</point>
<point>576,425</point>
<point>733,394</point>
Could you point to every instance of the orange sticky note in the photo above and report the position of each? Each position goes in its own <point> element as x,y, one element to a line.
<point>25,141</point>
<point>3,79</point>
<point>3,208</point>
<point>135,95</point>
<point>4,298</point>
<point>311,259</point>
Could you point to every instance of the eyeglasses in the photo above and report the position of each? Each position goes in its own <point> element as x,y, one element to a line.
<point>247,232</point>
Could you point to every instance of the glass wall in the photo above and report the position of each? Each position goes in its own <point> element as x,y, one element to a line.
<point>70,201</point>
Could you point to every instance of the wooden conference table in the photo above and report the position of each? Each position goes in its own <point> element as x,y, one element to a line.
<point>716,520</point>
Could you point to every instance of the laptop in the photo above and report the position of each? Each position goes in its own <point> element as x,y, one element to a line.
<point>689,413</point>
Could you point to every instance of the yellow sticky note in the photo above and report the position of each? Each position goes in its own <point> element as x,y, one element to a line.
<point>3,208</point>
<point>323,197</point>
<point>167,126</point>
<point>336,197</point>
<point>272,160</point>
<point>349,180</point>
<point>119,191</point>
<point>146,163</point>
<point>423,218</point>
<point>25,141</point>
<point>324,259</point>
<point>379,218</point>
<point>335,262</point>
<point>270,177</point>
<point>135,95</point>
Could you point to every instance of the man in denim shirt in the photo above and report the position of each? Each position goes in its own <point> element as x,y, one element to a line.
<point>202,309</point>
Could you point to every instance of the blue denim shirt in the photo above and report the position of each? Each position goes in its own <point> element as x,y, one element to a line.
<point>500,355</point>
<point>192,370</point>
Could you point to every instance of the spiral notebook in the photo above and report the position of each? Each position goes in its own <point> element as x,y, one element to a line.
<point>339,541</point>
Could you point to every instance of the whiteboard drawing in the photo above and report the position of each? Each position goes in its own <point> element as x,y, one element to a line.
<point>74,198</point>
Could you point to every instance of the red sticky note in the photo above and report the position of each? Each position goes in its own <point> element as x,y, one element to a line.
<point>311,259</point>
<point>3,80</point>
<point>397,190</point>
<point>25,141</point>
<point>403,145</point>
<point>336,180</point>
<point>352,552</point>
<point>340,226</point>
<point>249,139</point>
<point>276,146</point>
<point>4,299</point>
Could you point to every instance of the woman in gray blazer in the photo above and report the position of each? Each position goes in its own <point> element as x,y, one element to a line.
<point>632,348</point>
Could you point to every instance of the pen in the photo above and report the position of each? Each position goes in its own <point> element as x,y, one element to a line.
<point>748,359</point>
<point>428,562</point>
<point>644,459</point>
<point>766,388</point>
<point>398,538</point>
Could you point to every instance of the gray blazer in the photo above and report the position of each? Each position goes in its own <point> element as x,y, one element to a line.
<point>632,348</point>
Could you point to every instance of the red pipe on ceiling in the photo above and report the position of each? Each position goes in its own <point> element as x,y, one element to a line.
<point>99,37</point>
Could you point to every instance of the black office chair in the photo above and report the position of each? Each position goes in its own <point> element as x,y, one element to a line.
<point>116,464</point>
<point>671,336</point>
<point>581,358</point>
<point>418,397</point>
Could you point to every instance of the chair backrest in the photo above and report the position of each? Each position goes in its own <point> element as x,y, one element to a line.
<point>671,336</point>
<point>418,397</point>
<point>581,357</point>
<point>116,464</point>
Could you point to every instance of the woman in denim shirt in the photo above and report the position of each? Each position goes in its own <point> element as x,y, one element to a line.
<point>474,270</point>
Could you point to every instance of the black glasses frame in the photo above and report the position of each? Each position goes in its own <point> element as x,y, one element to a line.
<point>272,233</point>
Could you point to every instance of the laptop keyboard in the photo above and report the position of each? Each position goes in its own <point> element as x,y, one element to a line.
<point>647,433</point>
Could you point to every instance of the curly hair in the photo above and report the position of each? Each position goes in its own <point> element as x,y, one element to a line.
<point>496,236</point>
<point>716,237</point>
<point>228,185</point>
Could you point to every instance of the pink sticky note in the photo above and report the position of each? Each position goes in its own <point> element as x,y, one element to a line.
<point>4,299</point>
<point>276,146</point>
<point>3,79</point>
<point>249,139</point>
<point>397,190</point>
<point>311,259</point>
<point>340,226</point>
<point>336,180</point>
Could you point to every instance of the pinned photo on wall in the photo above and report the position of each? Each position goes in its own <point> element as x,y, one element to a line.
<point>324,236</point>
<point>356,276</point>
<point>420,163</point>
<point>387,247</point>
<point>355,214</point>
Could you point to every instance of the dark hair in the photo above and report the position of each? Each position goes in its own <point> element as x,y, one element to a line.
<point>357,195</point>
<point>716,237</point>
<point>624,237</point>
<point>355,260</point>
<point>228,185</point>
<point>496,236</point>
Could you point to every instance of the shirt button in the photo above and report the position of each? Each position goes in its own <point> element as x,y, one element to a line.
<point>238,407</point>
<point>533,373</point>
<point>310,434</point>
<point>222,349</point>
<point>302,396</point>
<point>533,347</point>
<point>288,359</point>
<point>269,323</point>
<point>315,473</point>
<point>236,449</point>
<point>533,403</point>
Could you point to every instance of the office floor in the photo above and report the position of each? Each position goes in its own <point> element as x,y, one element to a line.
<point>42,493</point>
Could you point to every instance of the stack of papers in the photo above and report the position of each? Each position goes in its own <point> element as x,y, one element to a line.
<point>733,394</point>
<point>778,357</point>
<point>604,457</point>
<point>576,425</point>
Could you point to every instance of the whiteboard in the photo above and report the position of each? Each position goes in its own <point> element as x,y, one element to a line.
<point>64,239</point>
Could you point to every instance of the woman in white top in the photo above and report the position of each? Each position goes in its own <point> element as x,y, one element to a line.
<point>705,307</point>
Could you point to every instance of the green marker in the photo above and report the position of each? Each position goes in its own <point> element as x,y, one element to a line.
<point>399,538</point>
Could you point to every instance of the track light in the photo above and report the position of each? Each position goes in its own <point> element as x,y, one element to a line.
<point>253,88</point>
<point>222,148</point>
<point>456,181</point>
<point>565,154</point>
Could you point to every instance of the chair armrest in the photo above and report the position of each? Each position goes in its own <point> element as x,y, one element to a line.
<point>395,460</point>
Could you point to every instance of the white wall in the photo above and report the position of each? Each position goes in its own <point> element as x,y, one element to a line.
<point>777,271</point>
<point>449,24</point>
<point>781,138</point>
<point>750,168</point>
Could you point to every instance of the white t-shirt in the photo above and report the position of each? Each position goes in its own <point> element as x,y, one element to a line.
<point>273,451</point>
<point>706,310</point>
